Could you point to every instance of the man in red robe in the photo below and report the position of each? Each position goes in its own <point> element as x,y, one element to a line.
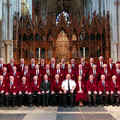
<point>92,90</point>
<point>2,90</point>
<point>111,65</point>
<point>11,65</point>
<point>21,66</point>
<point>23,92</point>
<point>5,74</point>
<point>35,88</point>
<point>104,89</point>
<point>114,90</point>
<point>56,92</point>
<point>11,91</point>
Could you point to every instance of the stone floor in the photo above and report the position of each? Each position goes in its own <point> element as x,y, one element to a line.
<point>60,113</point>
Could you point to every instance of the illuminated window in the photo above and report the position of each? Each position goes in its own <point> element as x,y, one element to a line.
<point>65,14</point>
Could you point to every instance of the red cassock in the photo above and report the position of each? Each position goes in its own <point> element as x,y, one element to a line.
<point>2,86</point>
<point>81,95</point>
<point>107,74</point>
<point>95,74</point>
<point>11,88</point>
<point>85,66</point>
<point>111,67</point>
<point>105,87</point>
<point>63,67</point>
<point>90,66</point>
<point>61,74</point>
<point>72,73</point>
<point>56,87</point>
<point>10,67</point>
<point>24,87</point>
<point>35,87</point>
<point>91,86</point>
<point>20,67</point>
<point>74,67</point>
<point>1,67</point>
<point>117,73</point>
<point>82,72</point>
<point>49,73</point>
<point>42,68</point>
<point>114,86</point>
<point>5,76</point>
<point>31,70</point>
<point>99,67</point>
<point>37,73</point>
<point>16,76</point>
<point>26,74</point>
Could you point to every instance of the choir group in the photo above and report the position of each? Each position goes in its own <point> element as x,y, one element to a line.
<point>62,84</point>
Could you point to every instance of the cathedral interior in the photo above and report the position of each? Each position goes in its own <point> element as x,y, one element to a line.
<point>59,28</point>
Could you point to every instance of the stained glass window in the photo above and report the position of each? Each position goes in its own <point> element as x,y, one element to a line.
<point>65,14</point>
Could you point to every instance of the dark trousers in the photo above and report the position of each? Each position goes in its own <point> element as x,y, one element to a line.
<point>36,99</point>
<point>2,99</point>
<point>104,99</point>
<point>10,100</point>
<point>45,99</point>
<point>56,99</point>
<point>68,99</point>
<point>92,99</point>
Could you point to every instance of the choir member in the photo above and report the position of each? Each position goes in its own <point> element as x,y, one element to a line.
<point>11,65</point>
<point>68,86</point>
<point>80,91</point>
<point>2,90</point>
<point>20,67</point>
<point>45,88</point>
<point>94,71</point>
<point>111,65</point>
<point>35,88</point>
<point>24,98</point>
<point>56,92</point>
<point>91,63</point>
<point>73,65</point>
<point>84,64</point>
<point>42,65</point>
<point>26,73</point>
<point>92,90</point>
<point>116,71</point>
<point>114,90</point>
<point>104,90</point>
<point>11,91</point>
<point>63,65</point>
<point>81,72</point>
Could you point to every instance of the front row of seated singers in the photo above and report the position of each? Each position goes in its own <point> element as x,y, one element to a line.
<point>67,92</point>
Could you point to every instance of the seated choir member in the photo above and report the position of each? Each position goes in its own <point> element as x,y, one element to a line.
<point>35,88</point>
<point>92,90</point>
<point>114,90</point>
<point>11,91</point>
<point>80,90</point>
<point>45,88</point>
<point>56,91</point>
<point>104,90</point>
<point>24,96</point>
<point>68,87</point>
<point>2,90</point>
